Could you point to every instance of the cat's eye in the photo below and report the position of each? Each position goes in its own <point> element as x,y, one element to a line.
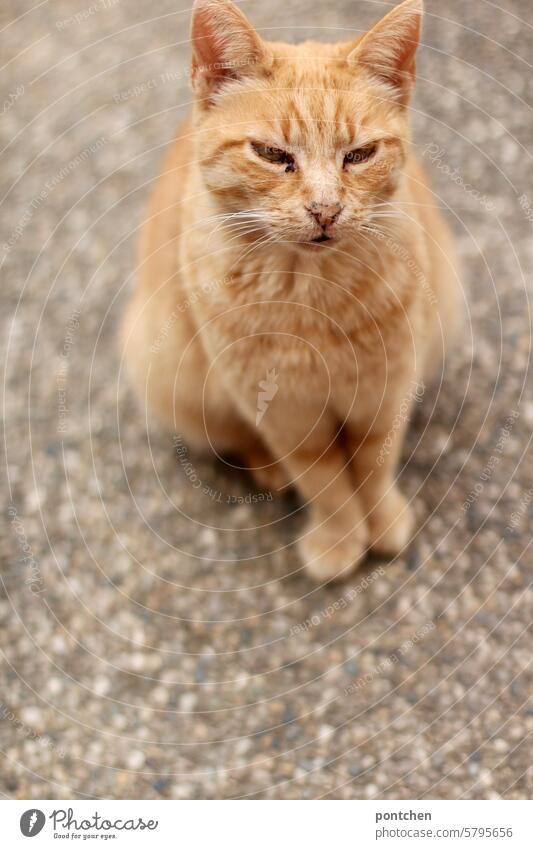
<point>360,154</point>
<point>274,155</point>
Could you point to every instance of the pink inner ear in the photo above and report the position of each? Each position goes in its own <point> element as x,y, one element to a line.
<point>208,45</point>
<point>403,50</point>
<point>395,58</point>
<point>225,45</point>
<point>222,34</point>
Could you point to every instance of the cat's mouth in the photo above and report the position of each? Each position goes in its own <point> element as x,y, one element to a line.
<point>318,240</point>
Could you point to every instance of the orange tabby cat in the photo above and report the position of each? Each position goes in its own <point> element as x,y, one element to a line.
<point>297,281</point>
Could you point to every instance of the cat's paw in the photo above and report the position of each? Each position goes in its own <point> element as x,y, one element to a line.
<point>330,553</point>
<point>391,524</point>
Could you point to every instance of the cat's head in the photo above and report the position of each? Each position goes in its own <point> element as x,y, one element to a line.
<point>301,141</point>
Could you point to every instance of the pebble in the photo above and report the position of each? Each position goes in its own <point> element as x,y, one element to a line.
<point>135,759</point>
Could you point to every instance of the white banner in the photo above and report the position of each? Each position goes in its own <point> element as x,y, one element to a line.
<point>268,824</point>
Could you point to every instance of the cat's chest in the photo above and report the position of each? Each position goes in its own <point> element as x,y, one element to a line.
<point>324,339</point>
<point>314,351</point>
<point>338,321</point>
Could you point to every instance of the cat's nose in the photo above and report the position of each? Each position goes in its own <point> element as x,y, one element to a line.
<point>325,214</point>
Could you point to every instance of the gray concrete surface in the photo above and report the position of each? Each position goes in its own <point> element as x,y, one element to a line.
<point>154,639</point>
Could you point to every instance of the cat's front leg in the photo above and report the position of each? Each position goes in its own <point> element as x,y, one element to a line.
<point>335,537</point>
<point>375,451</point>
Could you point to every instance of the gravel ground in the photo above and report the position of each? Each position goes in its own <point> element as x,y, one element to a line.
<point>159,640</point>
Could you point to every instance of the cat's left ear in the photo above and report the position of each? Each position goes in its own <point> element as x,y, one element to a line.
<point>225,47</point>
<point>388,49</point>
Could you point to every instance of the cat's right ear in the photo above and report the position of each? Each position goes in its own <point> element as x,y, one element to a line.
<point>225,47</point>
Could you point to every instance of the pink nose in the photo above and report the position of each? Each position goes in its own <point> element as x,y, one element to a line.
<point>325,213</point>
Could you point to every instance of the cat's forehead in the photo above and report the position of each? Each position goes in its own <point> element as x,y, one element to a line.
<point>319,109</point>
<point>312,92</point>
<point>310,99</point>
